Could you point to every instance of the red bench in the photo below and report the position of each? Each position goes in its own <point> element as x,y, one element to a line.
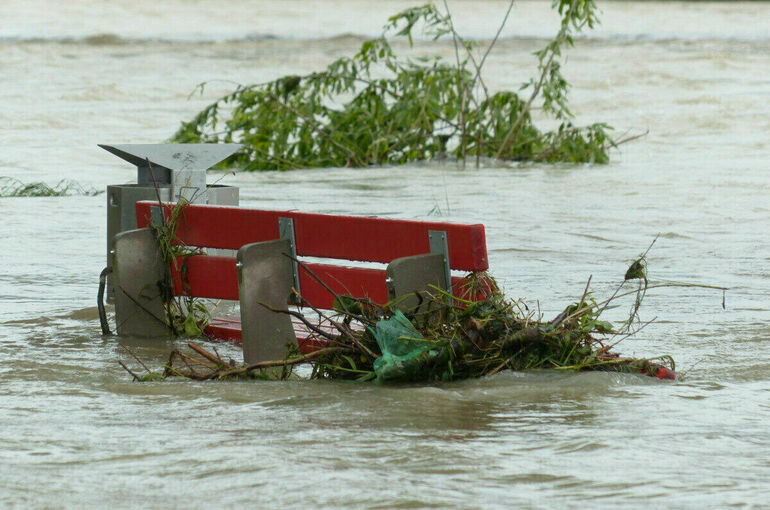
<point>408,247</point>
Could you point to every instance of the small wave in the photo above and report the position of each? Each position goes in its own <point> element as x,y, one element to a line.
<point>111,39</point>
<point>103,40</point>
<point>674,235</point>
<point>86,314</point>
<point>107,39</point>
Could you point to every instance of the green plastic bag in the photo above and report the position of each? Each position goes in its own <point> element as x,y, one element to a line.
<point>399,342</point>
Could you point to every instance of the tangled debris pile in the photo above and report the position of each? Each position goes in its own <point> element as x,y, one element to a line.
<point>445,338</point>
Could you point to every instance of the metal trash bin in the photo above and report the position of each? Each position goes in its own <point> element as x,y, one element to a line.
<point>174,171</point>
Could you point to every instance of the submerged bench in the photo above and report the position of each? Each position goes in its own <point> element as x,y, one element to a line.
<point>417,254</point>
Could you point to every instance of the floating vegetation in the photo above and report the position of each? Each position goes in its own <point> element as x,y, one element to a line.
<point>476,334</point>
<point>377,107</point>
<point>12,187</point>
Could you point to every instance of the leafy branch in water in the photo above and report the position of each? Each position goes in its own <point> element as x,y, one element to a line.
<point>379,108</point>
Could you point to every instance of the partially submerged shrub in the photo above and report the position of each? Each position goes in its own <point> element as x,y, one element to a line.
<point>379,108</point>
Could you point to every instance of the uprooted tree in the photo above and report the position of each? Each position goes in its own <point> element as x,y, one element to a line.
<point>379,108</point>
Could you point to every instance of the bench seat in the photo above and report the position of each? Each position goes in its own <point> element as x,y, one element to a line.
<point>227,329</point>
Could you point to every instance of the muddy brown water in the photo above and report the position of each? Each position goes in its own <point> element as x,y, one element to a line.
<point>75,431</point>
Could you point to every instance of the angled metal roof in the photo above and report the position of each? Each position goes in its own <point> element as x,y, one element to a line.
<point>174,156</point>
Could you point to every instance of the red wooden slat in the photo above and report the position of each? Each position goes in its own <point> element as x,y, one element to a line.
<point>353,281</point>
<point>329,236</point>
<point>206,276</point>
<point>217,278</point>
<point>227,330</point>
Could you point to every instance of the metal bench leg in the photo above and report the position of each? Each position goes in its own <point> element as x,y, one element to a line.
<point>408,275</point>
<point>138,275</point>
<point>265,275</point>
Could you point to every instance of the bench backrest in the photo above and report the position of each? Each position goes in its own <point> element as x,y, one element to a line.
<point>351,238</point>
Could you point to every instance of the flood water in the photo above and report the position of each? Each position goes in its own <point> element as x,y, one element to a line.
<point>76,431</point>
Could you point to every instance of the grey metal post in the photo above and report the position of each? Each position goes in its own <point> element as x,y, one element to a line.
<point>411,275</point>
<point>265,277</point>
<point>439,244</point>
<point>286,231</point>
<point>140,278</point>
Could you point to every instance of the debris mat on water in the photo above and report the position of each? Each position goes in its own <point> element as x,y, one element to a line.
<point>477,332</point>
